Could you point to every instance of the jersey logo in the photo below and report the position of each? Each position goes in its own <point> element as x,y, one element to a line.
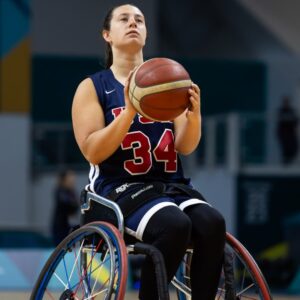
<point>116,111</point>
<point>109,92</point>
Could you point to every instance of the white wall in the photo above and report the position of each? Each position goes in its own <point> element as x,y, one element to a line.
<point>15,170</point>
<point>218,186</point>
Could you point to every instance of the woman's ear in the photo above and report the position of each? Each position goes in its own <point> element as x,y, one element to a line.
<point>106,36</point>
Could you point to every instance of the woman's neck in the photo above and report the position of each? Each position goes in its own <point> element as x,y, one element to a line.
<point>124,63</point>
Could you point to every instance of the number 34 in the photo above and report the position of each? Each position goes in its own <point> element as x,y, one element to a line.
<point>164,152</point>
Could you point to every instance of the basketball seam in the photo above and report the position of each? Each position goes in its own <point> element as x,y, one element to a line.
<point>161,108</point>
<point>158,92</point>
<point>154,88</point>
<point>132,93</point>
<point>137,104</point>
<point>139,108</point>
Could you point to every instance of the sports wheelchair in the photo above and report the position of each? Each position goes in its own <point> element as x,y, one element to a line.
<point>92,263</point>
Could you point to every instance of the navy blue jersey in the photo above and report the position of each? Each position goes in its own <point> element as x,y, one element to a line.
<point>147,152</point>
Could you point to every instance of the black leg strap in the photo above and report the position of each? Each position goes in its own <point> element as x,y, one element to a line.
<point>140,196</point>
<point>183,188</point>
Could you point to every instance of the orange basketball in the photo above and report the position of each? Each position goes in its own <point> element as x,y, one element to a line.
<point>158,89</point>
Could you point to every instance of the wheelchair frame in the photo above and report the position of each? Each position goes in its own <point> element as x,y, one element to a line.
<point>113,239</point>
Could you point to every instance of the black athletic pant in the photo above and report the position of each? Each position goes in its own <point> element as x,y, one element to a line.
<point>170,230</point>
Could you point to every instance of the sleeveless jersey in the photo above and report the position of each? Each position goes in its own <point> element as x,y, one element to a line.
<point>147,152</point>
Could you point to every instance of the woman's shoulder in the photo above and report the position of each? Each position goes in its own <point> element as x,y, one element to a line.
<point>85,85</point>
<point>100,75</point>
<point>93,80</point>
<point>85,92</point>
<point>96,84</point>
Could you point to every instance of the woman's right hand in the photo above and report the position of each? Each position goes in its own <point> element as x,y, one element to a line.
<point>128,105</point>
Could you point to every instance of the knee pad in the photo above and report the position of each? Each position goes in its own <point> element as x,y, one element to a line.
<point>169,224</point>
<point>207,221</point>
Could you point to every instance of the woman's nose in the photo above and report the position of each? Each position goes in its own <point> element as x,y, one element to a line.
<point>132,22</point>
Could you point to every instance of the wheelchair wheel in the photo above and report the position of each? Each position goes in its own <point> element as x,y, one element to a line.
<point>90,263</point>
<point>241,278</point>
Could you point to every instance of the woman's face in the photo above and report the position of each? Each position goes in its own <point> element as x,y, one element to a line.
<point>127,28</point>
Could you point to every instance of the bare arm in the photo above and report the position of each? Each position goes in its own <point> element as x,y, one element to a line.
<point>96,141</point>
<point>188,125</point>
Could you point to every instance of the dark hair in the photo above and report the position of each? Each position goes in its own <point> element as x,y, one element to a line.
<point>106,26</point>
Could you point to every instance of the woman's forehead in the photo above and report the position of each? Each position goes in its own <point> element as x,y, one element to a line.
<point>127,9</point>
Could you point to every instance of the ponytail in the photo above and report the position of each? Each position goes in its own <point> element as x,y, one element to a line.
<point>108,51</point>
<point>108,56</point>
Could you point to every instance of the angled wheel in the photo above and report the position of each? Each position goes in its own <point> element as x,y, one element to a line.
<point>246,280</point>
<point>90,263</point>
<point>241,278</point>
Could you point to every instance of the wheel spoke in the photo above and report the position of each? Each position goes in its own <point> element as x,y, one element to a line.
<point>76,258</point>
<point>240,277</point>
<point>82,271</point>
<point>85,270</point>
<point>98,273</point>
<point>59,279</point>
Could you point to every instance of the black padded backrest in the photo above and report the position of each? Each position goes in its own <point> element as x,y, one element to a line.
<point>98,212</point>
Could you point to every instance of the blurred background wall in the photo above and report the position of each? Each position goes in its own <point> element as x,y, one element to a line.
<point>245,56</point>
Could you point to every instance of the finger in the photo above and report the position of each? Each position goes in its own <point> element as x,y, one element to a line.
<point>194,103</point>
<point>126,84</point>
<point>130,75</point>
<point>126,87</point>
<point>131,72</point>
<point>194,85</point>
<point>193,93</point>
<point>196,88</point>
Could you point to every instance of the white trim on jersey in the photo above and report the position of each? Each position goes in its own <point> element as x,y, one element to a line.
<point>96,171</point>
<point>144,221</point>
<point>190,202</point>
<point>91,172</point>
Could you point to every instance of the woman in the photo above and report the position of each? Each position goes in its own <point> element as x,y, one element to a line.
<point>134,162</point>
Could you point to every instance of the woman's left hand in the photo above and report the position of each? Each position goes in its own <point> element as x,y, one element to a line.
<point>193,111</point>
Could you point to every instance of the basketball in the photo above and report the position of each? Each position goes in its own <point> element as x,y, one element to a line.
<point>158,89</point>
